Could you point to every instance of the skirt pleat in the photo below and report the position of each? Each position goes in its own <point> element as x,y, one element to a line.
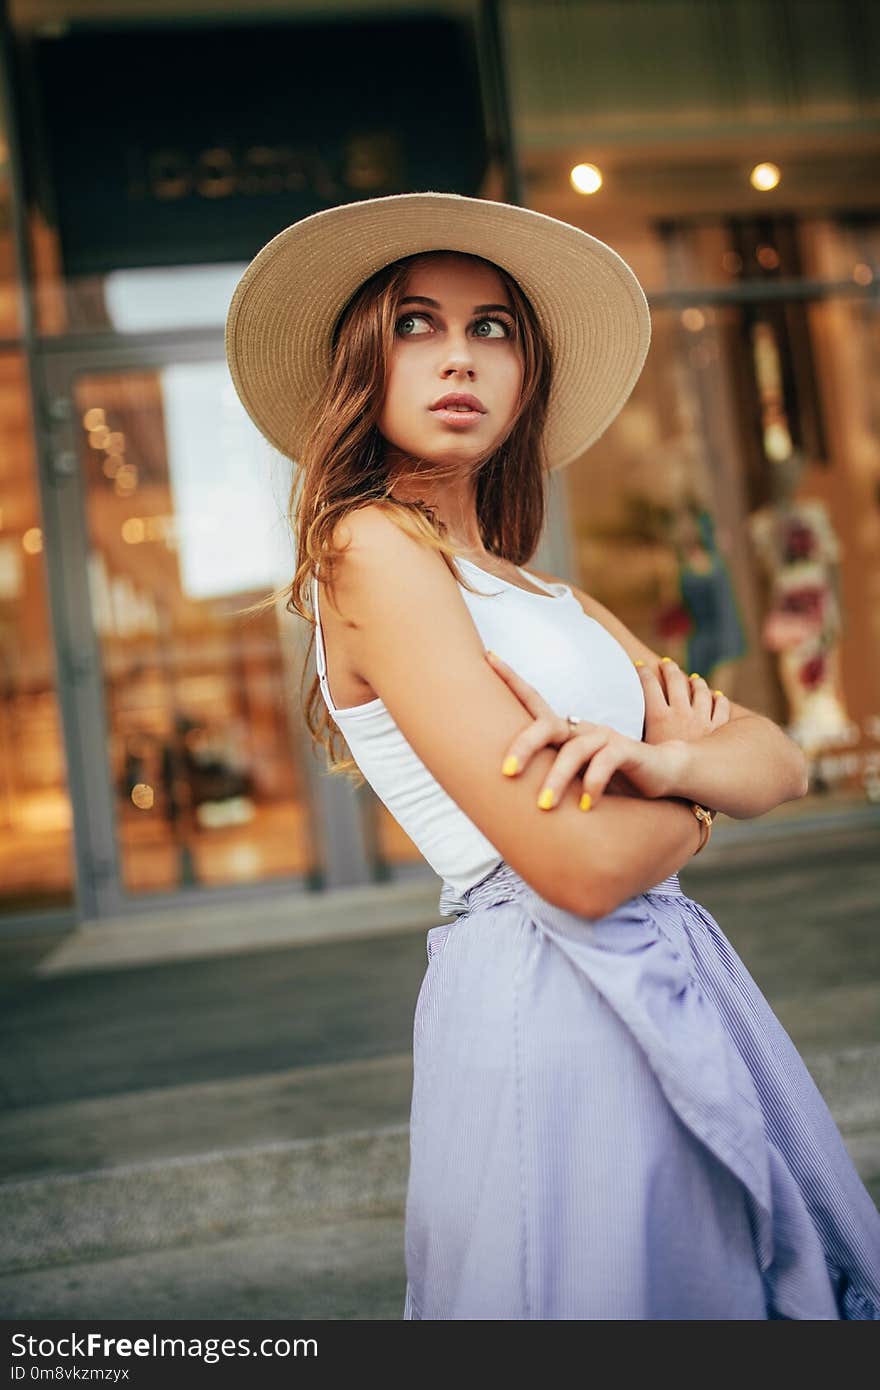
<point>608,1121</point>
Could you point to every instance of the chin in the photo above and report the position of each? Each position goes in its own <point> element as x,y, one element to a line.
<point>464,448</point>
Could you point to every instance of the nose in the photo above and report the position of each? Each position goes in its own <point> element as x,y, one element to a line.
<point>458,360</point>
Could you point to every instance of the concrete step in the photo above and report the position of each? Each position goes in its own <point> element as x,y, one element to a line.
<point>164,1094</point>
<point>97,1134</point>
<point>322,1169</point>
<point>113,1174</point>
<point>345,1269</point>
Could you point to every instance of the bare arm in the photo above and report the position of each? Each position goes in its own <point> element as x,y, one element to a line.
<point>643,841</point>
<point>745,768</point>
<point>413,639</point>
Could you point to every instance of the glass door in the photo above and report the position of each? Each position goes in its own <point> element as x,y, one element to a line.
<point>171,518</point>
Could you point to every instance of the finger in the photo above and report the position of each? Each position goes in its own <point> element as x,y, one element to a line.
<point>655,691</point>
<point>677,688</point>
<point>543,730</point>
<point>569,762</point>
<point>602,768</point>
<point>720,709</point>
<point>701,695</point>
<point>525,693</point>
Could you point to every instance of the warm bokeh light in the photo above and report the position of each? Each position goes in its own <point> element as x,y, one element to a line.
<point>694,320</point>
<point>767,257</point>
<point>32,540</point>
<point>585,178</point>
<point>126,479</point>
<point>777,441</point>
<point>142,796</point>
<point>94,418</point>
<point>133,530</point>
<point>862,274</point>
<point>765,176</point>
<point>98,438</point>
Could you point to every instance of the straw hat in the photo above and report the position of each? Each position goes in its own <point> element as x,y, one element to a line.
<point>284,308</point>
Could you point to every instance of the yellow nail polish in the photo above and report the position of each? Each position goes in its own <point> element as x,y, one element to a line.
<point>510,765</point>
<point>640,663</point>
<point>717,692</point>
<point>585,802</point>
<point>666,658</point>
<point>694,676</point>
<point>546,799</point>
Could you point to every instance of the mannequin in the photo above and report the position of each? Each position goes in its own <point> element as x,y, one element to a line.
<point>799,553</point>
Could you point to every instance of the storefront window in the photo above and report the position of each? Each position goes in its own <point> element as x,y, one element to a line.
<point>36,844</point>
<point>731,514</point>
<point>186,527</point>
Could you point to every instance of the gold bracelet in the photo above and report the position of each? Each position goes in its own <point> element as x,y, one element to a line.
<point>705,817</point>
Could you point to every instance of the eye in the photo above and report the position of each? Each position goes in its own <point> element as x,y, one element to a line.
<point>404,325</point>
<point>484,327</point>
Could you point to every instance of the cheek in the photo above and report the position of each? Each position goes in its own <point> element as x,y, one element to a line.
<point>513,379</point>
<point>394,410</point>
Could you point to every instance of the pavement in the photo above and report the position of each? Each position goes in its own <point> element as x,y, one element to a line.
<point>214,1123</point>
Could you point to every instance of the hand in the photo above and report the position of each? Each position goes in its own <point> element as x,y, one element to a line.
<point>609,755</point>
<point>680,706</point>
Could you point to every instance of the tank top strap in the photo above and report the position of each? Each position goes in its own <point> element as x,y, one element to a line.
<point>320,655</point>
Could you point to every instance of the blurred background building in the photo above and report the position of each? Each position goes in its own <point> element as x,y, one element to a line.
<point>152,749</point>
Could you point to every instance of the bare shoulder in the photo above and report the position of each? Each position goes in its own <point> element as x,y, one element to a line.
<point>374,556</point>
<point>632,645</point>
<point>360,533</point>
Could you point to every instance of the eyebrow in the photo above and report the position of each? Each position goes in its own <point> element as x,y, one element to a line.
<point>478,308</point>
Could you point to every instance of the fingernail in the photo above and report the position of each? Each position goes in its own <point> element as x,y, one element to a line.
<point>717,692</point>
<point>546,799</point>
<point>694,676</point>
<point>640,663</point>
<point>585,802</point>
<point>489,653</point>
<point>666,658</point>
<point>510,765</point>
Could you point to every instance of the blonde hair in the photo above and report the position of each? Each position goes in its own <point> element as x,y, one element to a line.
<point>342,467</point>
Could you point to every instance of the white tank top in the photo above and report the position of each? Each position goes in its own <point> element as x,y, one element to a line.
<point>573,661</point>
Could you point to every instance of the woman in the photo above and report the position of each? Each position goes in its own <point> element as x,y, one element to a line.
<point>608,1121</point>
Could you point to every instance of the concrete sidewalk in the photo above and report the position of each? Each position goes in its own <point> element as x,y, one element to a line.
<point>228,1130</point>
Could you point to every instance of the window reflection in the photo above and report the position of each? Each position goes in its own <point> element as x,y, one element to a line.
<point>138,301</point>
<point>36,845</point>
<point>186,527</point>
<point>731,514</point>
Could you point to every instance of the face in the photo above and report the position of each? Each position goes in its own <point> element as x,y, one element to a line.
<point>454,336</point>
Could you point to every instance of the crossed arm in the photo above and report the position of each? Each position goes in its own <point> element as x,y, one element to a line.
<point>743,769</point>
<point>586,864</point>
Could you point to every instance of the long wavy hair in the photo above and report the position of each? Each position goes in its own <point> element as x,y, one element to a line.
<point>342,467</point>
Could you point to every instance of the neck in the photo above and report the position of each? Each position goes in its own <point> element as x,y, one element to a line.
<point>452,500</point>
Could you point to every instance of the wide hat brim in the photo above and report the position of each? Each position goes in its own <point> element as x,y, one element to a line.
<point>284,308</point>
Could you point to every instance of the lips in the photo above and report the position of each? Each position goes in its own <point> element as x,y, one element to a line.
<point>461,400</point>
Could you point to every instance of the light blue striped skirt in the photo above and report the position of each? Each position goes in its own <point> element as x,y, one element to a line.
<point>609,1121</point>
